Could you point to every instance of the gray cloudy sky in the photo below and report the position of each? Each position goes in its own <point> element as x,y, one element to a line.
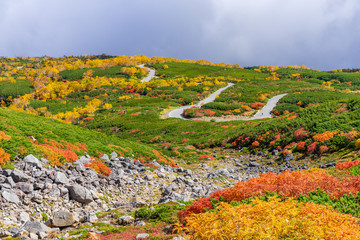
<point>322,34</point>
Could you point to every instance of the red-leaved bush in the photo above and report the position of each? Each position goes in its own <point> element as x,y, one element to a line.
<point>347,165</point>
<point>289,184</point>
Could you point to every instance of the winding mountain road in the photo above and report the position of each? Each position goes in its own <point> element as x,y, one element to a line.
<point>265,112</point>
<point>151,74</point>
<point>177,113</point>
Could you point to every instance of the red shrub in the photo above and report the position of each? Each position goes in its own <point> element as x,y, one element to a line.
<point>323,149</point>
<point>301,146</point>
<point>256,105</point>
<point>206,157</point>
<point>287,184</point>
<point>347,165</point>
<point>311,148</point>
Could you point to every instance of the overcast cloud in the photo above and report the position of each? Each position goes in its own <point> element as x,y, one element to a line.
<point>322,34</point>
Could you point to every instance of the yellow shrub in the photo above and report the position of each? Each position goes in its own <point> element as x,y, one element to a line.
<point>273,220</point>
<point>357,143</point>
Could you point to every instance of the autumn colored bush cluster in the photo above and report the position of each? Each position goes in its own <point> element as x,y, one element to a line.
<point>99,167</point>
<point>287,184</point>
<point>57,153</point>
<point>347,165</point>
<point>196,113</point>
<point>272,219</point>
<point>206,157</point>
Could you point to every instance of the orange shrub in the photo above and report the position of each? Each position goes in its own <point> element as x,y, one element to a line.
<point>4,136</point>
<point>4,157</point>
<point>324,136</point>
<point>255,144</point>
<point>99,167</point>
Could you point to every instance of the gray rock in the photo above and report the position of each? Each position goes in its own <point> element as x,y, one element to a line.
<point>60,178</point>
<point>14,231</point>
<point>26,187</point>
<point>174,197</point>
<point>38,186</point>
<point>274,152</point>
<point>10,196</point>
<point>92,218</point>
<point>33,236</point>
<point>332,164</point>
<point>4,186</point>
<point>126,220</point>
<point>254,164</point>
<point>63,191</point>
<point>19,176</point>
<point>222,171</point>
<point>62,219</point>
<point>24,217</point>
<point>139,223</point>
<point>10,181</point>
<point>142,236</point>
<point>36,227</point>
<point>6,172</point>
<point>36,197</point>
<point>80,167</point>
<point>2,178</point>
<point>289,157</point>
<point>113,155</point>
<point>136,203</point>
<point>31,160</point>
<point>80,194</point>
<point>105,157</point>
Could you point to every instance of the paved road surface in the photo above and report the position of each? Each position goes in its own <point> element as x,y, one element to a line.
<point>151,74</point>
<point>265,112</point>
<point>177,113</point>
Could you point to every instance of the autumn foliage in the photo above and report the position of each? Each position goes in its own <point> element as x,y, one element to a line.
<point>4,157</point>
<point>289,184</point>
<point>272,220</point>
<point>99,167</point>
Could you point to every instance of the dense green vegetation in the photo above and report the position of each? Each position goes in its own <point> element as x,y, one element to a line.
<point>98,72</point>
<point>20,87</point>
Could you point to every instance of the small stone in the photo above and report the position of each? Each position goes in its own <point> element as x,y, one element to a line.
<point>126,220</point>
<point>254,164</point>
<point>60,178</point>
<point>105,157</point>
<point>19,176</point>
<point>33,236</point>
<point>289,157</point>
<point>80,194</point>
<point>24,217</point>
<point>63,219</point>
<point>26,187</point>
<point>36,227</point>
<point>10,196</point>
<point>92,218</point>
<point>31,160</point>
<point>142,236</point>
<point>140,223</point>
